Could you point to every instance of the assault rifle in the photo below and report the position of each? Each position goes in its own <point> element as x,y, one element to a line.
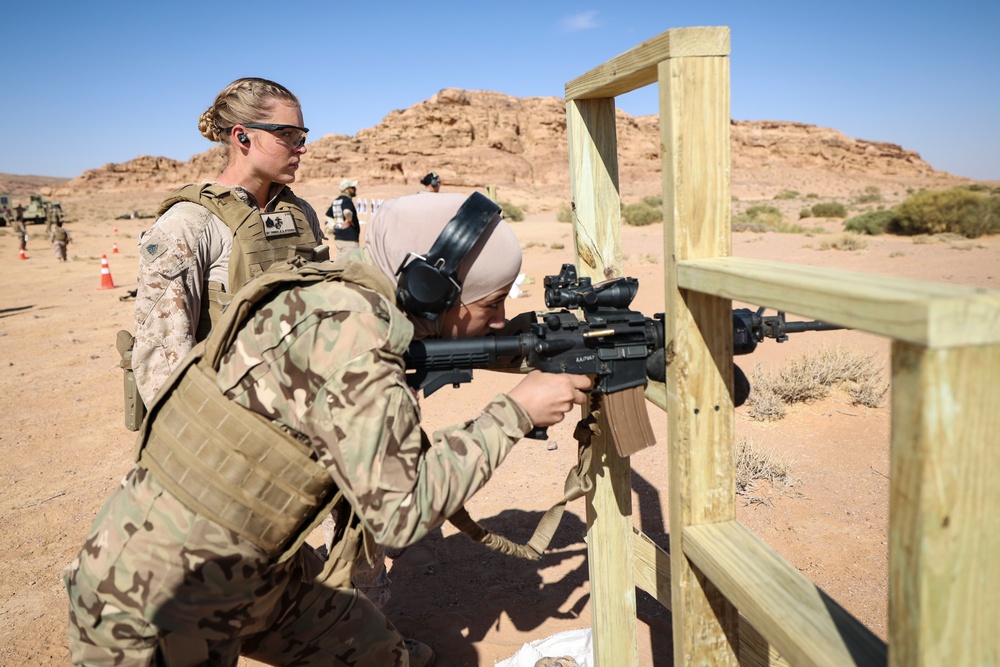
<point>620,347</point>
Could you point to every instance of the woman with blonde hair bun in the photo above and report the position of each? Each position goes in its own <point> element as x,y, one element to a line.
<point>213,237</point>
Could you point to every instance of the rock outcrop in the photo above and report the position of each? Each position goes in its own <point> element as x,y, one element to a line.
<point>476,137</point>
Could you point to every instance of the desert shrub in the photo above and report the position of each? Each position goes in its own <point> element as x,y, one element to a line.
<point>978,187</point>
<point>556,245</point>
<point>871,223</point>
<point>511,212</point>
<point>769,216</point>
<point>812,195</point>
<point>805,213</point>
<point>845,241</point>
<point>993,212</point>
<point>656,201</point>
<point>958,210</point>
<point>800,381</point>
<point>764,404</point>
<point>565,213</point>
<point>787,194</point>
<point>753,463</point>
<point>811,377</point>
<point>641,214</point>
<point>829,209</point>
<point>871,195</point>
<point>762,218</point>
<point>869,394</point>
<point>750,227</point>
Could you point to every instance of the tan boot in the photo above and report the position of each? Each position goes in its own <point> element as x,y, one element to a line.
<point>421,655</point>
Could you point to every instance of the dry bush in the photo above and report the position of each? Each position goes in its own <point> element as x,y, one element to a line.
<point>811,377</point>
<point>801,381</point>
<point>753,463</point>
<point>764,404</point>
<point>847,241</point>
<point>834,366</point>
<point>756,227</point>
<point>869,392</point>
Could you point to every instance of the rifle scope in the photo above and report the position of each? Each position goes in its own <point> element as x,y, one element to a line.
<point>568,291</point>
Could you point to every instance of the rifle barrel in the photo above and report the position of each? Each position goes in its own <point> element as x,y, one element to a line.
<point>799,327</point>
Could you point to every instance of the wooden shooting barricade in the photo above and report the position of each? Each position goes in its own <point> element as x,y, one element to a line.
<point>733,599</point>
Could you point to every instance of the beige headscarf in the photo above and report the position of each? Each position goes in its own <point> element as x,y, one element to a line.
<point>412,224</point>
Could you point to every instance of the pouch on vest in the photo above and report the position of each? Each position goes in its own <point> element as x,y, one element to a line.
<point>135,409</point>
<point>233,465</point>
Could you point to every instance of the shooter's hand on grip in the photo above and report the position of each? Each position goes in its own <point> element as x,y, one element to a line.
<point>547,397</point>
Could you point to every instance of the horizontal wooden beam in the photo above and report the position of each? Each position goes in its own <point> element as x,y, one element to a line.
<point>651,563</point>
<point>652,574</point>
<point>636,67</point>
<point>795,617</point>
<point>923,313</point>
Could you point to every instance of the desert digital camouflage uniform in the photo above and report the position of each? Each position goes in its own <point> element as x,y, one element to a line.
<point>60,238</point>
<point>181,256</point>
<point>21,232</point>
<point>155,580</point>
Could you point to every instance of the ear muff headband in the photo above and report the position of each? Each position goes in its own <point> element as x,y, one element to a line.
<point>428,286</point>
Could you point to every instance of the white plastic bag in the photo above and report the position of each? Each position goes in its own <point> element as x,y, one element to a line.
<point>573,643</point>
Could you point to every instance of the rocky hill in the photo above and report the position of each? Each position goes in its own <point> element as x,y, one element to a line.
<point>29,185</point>
<point>476,137</point>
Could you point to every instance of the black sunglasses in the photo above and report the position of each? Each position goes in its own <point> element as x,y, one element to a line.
<point>298,141</point>
<point>274,127</point>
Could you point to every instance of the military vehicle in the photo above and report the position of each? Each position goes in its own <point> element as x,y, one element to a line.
<point>6,210</point>
<point>39,209</point>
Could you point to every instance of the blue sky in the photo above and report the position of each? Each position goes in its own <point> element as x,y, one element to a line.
<point>85,84</point>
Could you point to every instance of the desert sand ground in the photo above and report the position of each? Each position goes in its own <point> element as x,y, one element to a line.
<point>64,446</point>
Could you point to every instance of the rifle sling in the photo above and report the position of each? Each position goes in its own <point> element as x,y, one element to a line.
<point>577,484</point>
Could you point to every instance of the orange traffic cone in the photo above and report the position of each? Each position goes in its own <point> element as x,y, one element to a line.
<point>106,282</point>
<point>20,253</point>
<point>114,248</point>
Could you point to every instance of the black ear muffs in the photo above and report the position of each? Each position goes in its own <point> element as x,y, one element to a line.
<point>428,286</point>
<point>243,139</point>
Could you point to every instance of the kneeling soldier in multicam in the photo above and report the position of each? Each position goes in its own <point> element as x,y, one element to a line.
<point>295,406</point>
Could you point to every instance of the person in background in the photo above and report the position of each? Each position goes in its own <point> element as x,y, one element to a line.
<point>342,216</point>
<point>301,390</point>
<point>21,231</point>
<point>60,238</point>
<point>431,182</point>
<point>213,237</point>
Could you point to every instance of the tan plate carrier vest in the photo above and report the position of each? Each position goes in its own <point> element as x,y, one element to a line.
<point>252,251</point>
<point>252,254</point>
<point>232,465</point>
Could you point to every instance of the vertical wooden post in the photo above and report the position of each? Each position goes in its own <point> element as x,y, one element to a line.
<point>694,132</point>
<point>593,153</point>
<point>944,507</point>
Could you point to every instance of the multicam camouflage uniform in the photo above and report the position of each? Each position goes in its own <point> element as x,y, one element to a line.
<point>184,262</point>
<point>155,580</point>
